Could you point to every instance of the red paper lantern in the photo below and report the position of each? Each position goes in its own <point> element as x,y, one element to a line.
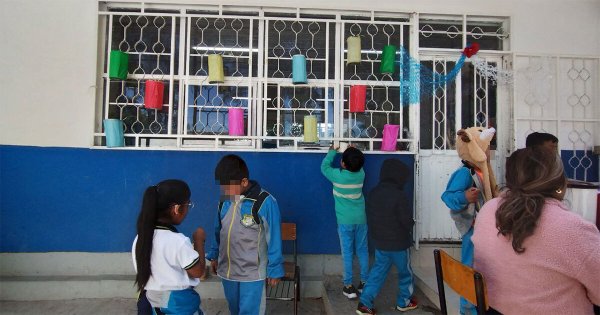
<point>358,98</point>
<point>153,98</point>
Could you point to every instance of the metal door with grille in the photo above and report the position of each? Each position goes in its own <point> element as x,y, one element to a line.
<point>470,100</point>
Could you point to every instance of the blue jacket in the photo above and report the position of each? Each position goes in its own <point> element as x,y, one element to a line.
<point>461,211</point>
<point>248,250</point>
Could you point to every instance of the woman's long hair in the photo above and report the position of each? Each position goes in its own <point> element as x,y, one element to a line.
<point>156,203</point>
<point>532,175</point>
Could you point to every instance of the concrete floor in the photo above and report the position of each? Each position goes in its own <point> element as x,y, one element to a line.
<point>128,307</point>
<point>332,303</point>
<point>384,303</point>
<point>335,302</point>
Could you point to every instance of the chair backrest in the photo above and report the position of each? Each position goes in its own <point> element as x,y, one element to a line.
<point>288,233</point>
<point>464,280</point>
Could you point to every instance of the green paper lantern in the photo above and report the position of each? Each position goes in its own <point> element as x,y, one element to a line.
<point>388,56</point>
<point>119,63</point>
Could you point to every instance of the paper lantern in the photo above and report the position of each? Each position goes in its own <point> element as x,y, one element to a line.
<point>390,137</point>
<point>113,129</point>
<point>388,58</point>
<point>215,69</point>
<point>153,97</point>
<point>235,120</point>
<point>119,63</point>
<point>298,69</point>
<point>358,97</point>
<point>310,129</point>
<point>354,48</point>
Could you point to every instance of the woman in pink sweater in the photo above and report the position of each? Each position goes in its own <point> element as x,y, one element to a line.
<point>536,256</point>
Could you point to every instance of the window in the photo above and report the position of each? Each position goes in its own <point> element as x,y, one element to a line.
<point>257,106</point>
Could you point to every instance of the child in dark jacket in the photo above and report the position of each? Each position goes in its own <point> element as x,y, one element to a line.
<point>390,222</point>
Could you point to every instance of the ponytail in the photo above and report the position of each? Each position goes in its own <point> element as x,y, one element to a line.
<point>157,200</point>
<point>532,176</point>
<point>518,215</point>
<point>145,231</point>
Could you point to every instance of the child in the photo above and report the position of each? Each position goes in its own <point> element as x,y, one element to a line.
<point>247,245</point>
<point>390,222</point>
<point>468,188</point>
<point>350,212</point>
<point>165,261</point>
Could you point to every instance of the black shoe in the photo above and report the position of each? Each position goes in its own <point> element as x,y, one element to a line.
<point>364,310</point>
<point>361,286</point>
<point>350,292</point>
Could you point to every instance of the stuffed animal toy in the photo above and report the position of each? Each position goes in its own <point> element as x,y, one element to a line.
<point>471,145</point>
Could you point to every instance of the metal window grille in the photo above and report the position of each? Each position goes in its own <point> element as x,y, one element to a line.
<point>559,95</point>
<point>172,45</point>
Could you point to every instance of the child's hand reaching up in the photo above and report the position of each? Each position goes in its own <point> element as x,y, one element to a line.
<point>199,235</point>
<point>199,238</point>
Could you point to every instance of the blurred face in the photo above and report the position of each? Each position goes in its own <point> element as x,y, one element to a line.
<point>234,188</point>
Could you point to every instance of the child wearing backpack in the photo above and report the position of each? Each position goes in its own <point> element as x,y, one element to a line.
<point>247,246</point>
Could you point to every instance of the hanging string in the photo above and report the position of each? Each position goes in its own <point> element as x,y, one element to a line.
<point>416,79</point>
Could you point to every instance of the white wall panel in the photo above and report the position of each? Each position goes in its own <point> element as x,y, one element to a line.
<point>49,53</point>
<point>433,217</point>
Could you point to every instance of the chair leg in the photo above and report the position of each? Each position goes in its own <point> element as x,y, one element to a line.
<point>440,281</point>
<point>296,299</point>
<point>296,290</point>
<point>479,293</point>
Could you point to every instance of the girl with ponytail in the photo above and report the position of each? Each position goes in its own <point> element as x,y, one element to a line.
<point>537,257</point>
<point>167,264</point>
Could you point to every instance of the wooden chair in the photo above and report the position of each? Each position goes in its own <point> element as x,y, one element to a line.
<point>464,280</point>
<point>289,287</point>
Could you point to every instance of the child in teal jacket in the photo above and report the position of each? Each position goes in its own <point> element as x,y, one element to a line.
<point>350,213</point>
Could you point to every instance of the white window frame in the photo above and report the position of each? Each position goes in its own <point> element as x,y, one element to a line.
<point>257,85</point>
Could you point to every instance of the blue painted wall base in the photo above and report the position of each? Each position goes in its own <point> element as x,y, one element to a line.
<point>69,199</point>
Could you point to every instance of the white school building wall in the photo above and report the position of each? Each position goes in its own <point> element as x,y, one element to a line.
<point>49,53</point>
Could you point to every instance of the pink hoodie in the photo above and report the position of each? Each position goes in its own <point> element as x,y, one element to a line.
<point>559,272</point>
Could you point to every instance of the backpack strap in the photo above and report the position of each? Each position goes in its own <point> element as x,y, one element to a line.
<point>258,204</point>
<point>479,185</point>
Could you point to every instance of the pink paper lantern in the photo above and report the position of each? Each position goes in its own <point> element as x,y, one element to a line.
<point>153,98</point>
<point>358,97</point>
<point>235,120</point>
<point>390,137</point>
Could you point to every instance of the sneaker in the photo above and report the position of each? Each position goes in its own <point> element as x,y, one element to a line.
<point>411,306</point>
<point>364,310</point>
<point>350,292</point>
<point>361,286</point>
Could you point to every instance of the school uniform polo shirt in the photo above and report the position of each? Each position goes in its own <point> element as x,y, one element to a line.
<point>172,255</point>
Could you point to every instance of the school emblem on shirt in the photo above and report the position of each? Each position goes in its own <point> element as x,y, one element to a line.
<point>248,220</point>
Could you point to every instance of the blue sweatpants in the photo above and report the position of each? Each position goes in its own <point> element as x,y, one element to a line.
<point>245,298</point>
<point>466,257</point>
<point>180,302</point>
<point>353,239</point>
<point>379,272</point>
